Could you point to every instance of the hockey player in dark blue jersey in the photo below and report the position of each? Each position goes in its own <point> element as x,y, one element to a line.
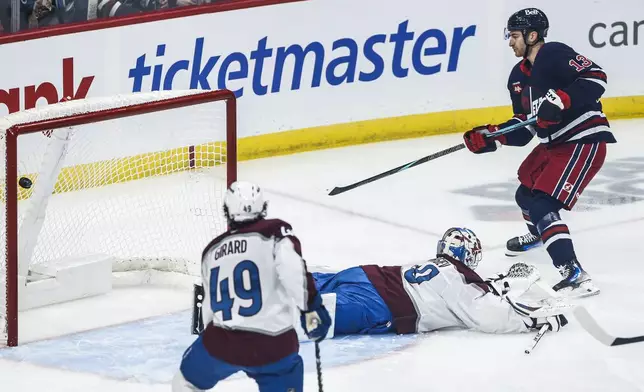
<point>562,89</point>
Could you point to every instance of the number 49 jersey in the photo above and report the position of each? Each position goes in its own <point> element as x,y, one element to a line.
<point>252,277</point>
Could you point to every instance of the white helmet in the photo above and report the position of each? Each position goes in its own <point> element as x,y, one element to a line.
<point>461,244</point>
<point>244,202</point>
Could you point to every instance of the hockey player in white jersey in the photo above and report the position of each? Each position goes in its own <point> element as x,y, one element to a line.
<point>252,274</point>
<point>444,292</point>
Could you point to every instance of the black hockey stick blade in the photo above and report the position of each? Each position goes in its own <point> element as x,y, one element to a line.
<point>620,341</point>
<point>341,189</point>
<point>588,322</point>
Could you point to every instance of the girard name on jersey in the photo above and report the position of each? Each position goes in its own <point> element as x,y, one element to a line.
<point>231,247</point>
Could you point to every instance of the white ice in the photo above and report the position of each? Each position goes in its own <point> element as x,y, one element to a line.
<point>398,220</point>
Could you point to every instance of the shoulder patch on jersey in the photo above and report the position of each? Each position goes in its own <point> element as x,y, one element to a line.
<point>277,229</point>
<point>272,228</point>
<point>517,88</point>
<point>518,78</point>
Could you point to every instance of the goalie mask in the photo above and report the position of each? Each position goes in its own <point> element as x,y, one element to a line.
<point>461,244</point>
<point>244,202</point>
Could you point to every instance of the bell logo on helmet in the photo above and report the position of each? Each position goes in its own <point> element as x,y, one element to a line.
<point>532,12</point>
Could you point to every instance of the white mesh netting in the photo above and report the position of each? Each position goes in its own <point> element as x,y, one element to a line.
<point>146,189</point>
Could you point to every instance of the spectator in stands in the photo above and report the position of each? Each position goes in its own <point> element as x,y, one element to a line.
<point>38,13</point>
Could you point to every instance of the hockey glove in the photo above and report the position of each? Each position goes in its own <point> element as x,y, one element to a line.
<point>553,320</point>
<point>518,278</point>
<point>476,141</point>
<point>317,321</point>
<point>549,112</point>
<point>555,323</point>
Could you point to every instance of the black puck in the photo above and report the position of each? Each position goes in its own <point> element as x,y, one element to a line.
<point>24,182</point>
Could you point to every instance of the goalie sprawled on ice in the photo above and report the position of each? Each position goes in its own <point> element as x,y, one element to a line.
<point>443,292</point>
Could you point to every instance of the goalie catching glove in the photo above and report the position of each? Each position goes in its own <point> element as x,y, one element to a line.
<point>514,283</point>
<point>518,278</point>
<point>316,321</point>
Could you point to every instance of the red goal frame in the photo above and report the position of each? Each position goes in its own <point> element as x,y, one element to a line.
<point>11,174</point>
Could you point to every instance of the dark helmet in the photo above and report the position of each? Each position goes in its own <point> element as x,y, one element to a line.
<point>528,20</point>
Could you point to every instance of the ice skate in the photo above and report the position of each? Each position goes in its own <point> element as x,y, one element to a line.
<point>521,244</point>
<point>576,282</point>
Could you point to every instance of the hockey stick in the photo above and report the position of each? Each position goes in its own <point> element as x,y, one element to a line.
<point>537,338</point>
<point>590,325</point>
<point>197,302</point>
<point>341,189</point>
<point>318,366</point>
<point>588,322</point>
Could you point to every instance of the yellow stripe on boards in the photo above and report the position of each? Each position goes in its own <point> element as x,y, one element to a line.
<point>301,140</point>
<point>403,127</point>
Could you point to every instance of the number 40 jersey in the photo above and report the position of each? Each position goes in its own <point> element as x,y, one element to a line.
<point>442,294</point>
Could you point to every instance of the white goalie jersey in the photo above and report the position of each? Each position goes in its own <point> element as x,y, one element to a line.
<point>447,300</point>
<point>438,294</point>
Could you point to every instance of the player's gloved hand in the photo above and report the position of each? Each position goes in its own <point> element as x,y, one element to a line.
<point>555,323</point>
<point>549,112</point>
<point>316,321</point>
<point>519,278</point>
<point>476,141</point>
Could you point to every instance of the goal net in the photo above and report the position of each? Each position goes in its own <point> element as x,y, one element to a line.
<point>103,185</point>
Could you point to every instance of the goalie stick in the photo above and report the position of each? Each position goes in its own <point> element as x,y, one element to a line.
<point>537,338</point>
<point>590,325</point>
<point>588,322</point>
<point>341,189</point>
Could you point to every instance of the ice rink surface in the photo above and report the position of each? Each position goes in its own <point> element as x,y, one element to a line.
<point>392,221</point>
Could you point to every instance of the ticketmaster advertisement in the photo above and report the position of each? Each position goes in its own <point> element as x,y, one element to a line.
<point>322,62</point>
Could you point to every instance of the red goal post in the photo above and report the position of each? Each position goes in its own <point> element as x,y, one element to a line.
<point>74,114</point>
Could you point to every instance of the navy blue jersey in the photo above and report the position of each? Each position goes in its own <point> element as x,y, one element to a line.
<point>557,66</point>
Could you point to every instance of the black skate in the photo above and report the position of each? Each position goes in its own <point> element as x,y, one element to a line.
<point>576,282</point>
<point>522,244</point>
